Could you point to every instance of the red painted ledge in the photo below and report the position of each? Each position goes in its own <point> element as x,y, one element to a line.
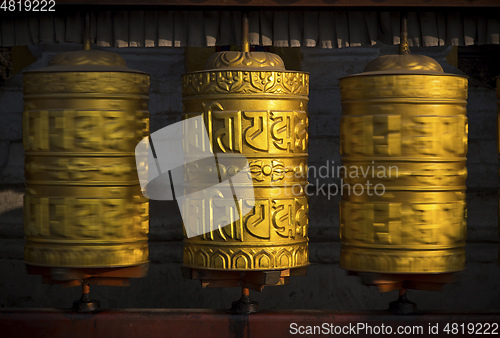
<point>151,323</point>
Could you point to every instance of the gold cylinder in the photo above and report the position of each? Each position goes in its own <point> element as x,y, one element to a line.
<point>83,117</point>
<point>254,107</point>
<point>404,140</point>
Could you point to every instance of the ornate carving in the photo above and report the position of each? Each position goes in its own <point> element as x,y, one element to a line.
<point>80,82</point>
<point>414,175</point>
<point>275,169</point>
<point>263,171</point>
<point>245,82</point>
<point>252,60</point>
<point>414,225</point>
<point>249,132</point>
<point>257,135</point>
<point>421,88</point>
<point>396,135</point>
<point>80,171</point>
<point>87,57</point>
<point>87,256</point>
<point>84,131</point>
<point>270,221</point>
<point>247,257</point>
<point>398,261</point>
<point>61,219</point>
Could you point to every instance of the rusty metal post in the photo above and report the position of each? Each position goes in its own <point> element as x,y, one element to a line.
<point>402,305</point>
<point>244,305</point>
<point>85,304</point>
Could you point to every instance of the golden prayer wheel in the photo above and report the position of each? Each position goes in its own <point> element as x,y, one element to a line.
<point>83,208</point>
<point>404,146</point>
<point>253,106</point>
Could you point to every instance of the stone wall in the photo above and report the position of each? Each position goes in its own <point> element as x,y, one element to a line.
<point>327,286</point>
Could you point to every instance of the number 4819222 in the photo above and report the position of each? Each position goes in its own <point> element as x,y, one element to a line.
<point>28,5</point>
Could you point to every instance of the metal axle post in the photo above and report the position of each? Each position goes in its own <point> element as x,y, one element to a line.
<point>402,305</point>
<point>85,304</point>
<point>244,306</point>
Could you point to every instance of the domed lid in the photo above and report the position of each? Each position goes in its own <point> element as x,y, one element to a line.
<point>405,63</point>
<point>87,61</point>
<point>234,60</point>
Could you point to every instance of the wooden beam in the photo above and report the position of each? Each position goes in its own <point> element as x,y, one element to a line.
<point>160,323</point>
<point>290,3</point>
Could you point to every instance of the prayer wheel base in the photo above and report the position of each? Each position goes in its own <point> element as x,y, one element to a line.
<point>253,280</point>
<point>70,277</point>
<point>390,282</point>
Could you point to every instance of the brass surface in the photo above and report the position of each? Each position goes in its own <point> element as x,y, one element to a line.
<point>408,62</point>
<point>254,107</point>
<point>83,208</point>
<point>233,60</point>
<point>406,119</point>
